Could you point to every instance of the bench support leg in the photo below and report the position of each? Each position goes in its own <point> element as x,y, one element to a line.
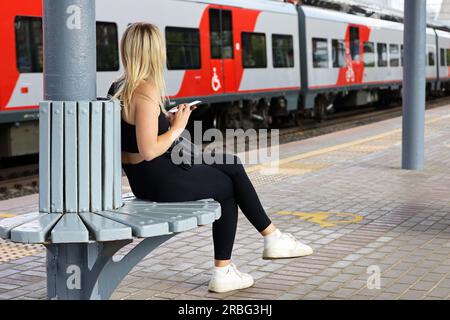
<point>87,271</point>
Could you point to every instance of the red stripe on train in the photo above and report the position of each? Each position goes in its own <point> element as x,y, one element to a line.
<point>8,69</point>
<point>230,73</point>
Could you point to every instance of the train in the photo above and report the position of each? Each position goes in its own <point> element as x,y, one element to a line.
<point>253,64</point>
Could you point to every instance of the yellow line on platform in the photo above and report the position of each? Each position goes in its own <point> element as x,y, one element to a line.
<point>341,146</point>
<point>7,215</point>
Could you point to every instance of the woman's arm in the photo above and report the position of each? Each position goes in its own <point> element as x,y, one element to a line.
<point>147,113</point>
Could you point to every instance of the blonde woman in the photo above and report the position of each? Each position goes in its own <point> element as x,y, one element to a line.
<point>147,134</point>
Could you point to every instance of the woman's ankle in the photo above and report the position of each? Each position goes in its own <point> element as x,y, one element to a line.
<point>221,263</point>
<point>269,230</point>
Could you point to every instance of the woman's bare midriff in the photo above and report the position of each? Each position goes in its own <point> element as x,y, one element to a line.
<point>131,158</point>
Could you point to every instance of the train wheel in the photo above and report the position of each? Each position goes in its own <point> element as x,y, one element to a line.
<point>262,118</point>
<point>320,109</point>
<point>229,117</point>
<point>298,119</point>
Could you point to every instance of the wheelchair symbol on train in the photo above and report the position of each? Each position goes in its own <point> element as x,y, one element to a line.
<point>215,81</point>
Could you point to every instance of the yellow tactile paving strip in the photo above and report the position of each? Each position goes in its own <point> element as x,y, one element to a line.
<point>6,215</point>
<point>10,251</point>
<point>320,159</point>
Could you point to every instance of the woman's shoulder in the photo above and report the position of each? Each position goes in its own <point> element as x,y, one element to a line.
<point>147,90</point>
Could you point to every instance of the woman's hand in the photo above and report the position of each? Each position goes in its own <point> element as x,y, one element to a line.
<point>181,117</point>
<point>170,116</point>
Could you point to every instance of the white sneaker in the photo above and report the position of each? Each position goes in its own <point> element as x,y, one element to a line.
<point>285,246</point>
<point>229,279</point>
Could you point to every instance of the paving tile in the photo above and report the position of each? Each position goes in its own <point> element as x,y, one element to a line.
<point>11,294</point>
<point>441,293</point>
<point>329,286</point>
<point>413,295</point>
<point>396,288</point>
<point>343,293</point>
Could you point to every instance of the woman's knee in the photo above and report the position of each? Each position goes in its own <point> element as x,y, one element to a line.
<point>232,164</point>
<point>224,189</point>
<point>233,159</point>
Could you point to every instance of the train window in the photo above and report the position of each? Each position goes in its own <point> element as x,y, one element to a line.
<point>221,34</point>
<point>369,54</point>
<point>107,47</point>
<point>394,55</point>
<point>382,54</point>
<point>443,58</point>
<point>283,51</point>
<point>29,47</point>
<point>354,43</point>
<point>320,53</point>
<point>448,57</point>
<point>183,48</point>
<point>254,53</point>
<point>431,56</point>
<point>338,53</point>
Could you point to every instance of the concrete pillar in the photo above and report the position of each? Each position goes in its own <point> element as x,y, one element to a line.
<point>414,82</point>
<point>70,55</point>
<point>70,69</point>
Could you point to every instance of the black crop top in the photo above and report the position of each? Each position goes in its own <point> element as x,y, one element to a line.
<point>129,140</point>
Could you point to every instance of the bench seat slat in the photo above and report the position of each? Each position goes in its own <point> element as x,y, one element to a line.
<point>132,199</point>
<point>202,217</point>
<point>83,156</point>
<point>6,225</point>
<point>96,156</point>
<point>108,156</point>
<point>208,205</point>
<point>70,157</point>
<point>57,158</point>
<point>117,155</point>
<point>196,203</point>
<point>142,227</point>
<point>105,229</point>
<point>35,231</point>
<point>70,229</point>
<point>177,222</point>
<point>44,155</point>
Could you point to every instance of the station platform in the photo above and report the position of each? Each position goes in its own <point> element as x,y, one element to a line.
<point>378,232</point>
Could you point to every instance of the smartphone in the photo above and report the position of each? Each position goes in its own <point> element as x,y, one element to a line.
<point>192,104</point>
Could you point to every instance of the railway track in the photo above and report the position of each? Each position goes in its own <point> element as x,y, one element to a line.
<point>19,181</point>
<point>23,180</point>
<point>347,120</point>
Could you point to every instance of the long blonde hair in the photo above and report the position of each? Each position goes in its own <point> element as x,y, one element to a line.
<point>144,59</point>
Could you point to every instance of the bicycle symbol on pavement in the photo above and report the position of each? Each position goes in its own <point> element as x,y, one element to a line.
<point>326,219</point>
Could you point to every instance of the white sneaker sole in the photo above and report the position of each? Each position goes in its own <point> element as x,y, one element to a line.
<point>285,254</point>
<point>223,288</point>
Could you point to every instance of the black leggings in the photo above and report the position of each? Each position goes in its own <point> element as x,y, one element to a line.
<point>226,182</point>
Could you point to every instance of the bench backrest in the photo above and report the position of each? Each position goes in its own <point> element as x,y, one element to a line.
<point>79,156</point>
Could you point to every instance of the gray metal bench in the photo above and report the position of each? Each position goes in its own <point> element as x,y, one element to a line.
<point>83,219</point>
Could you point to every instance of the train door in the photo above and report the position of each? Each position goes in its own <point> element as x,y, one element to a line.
<point>356,37</point>
<point>222,51</point>
<point>355,52</point>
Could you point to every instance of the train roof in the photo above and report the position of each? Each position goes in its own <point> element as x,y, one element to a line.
<point>264,5</point>
<point>443,34</point>
<point>331,15</point>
